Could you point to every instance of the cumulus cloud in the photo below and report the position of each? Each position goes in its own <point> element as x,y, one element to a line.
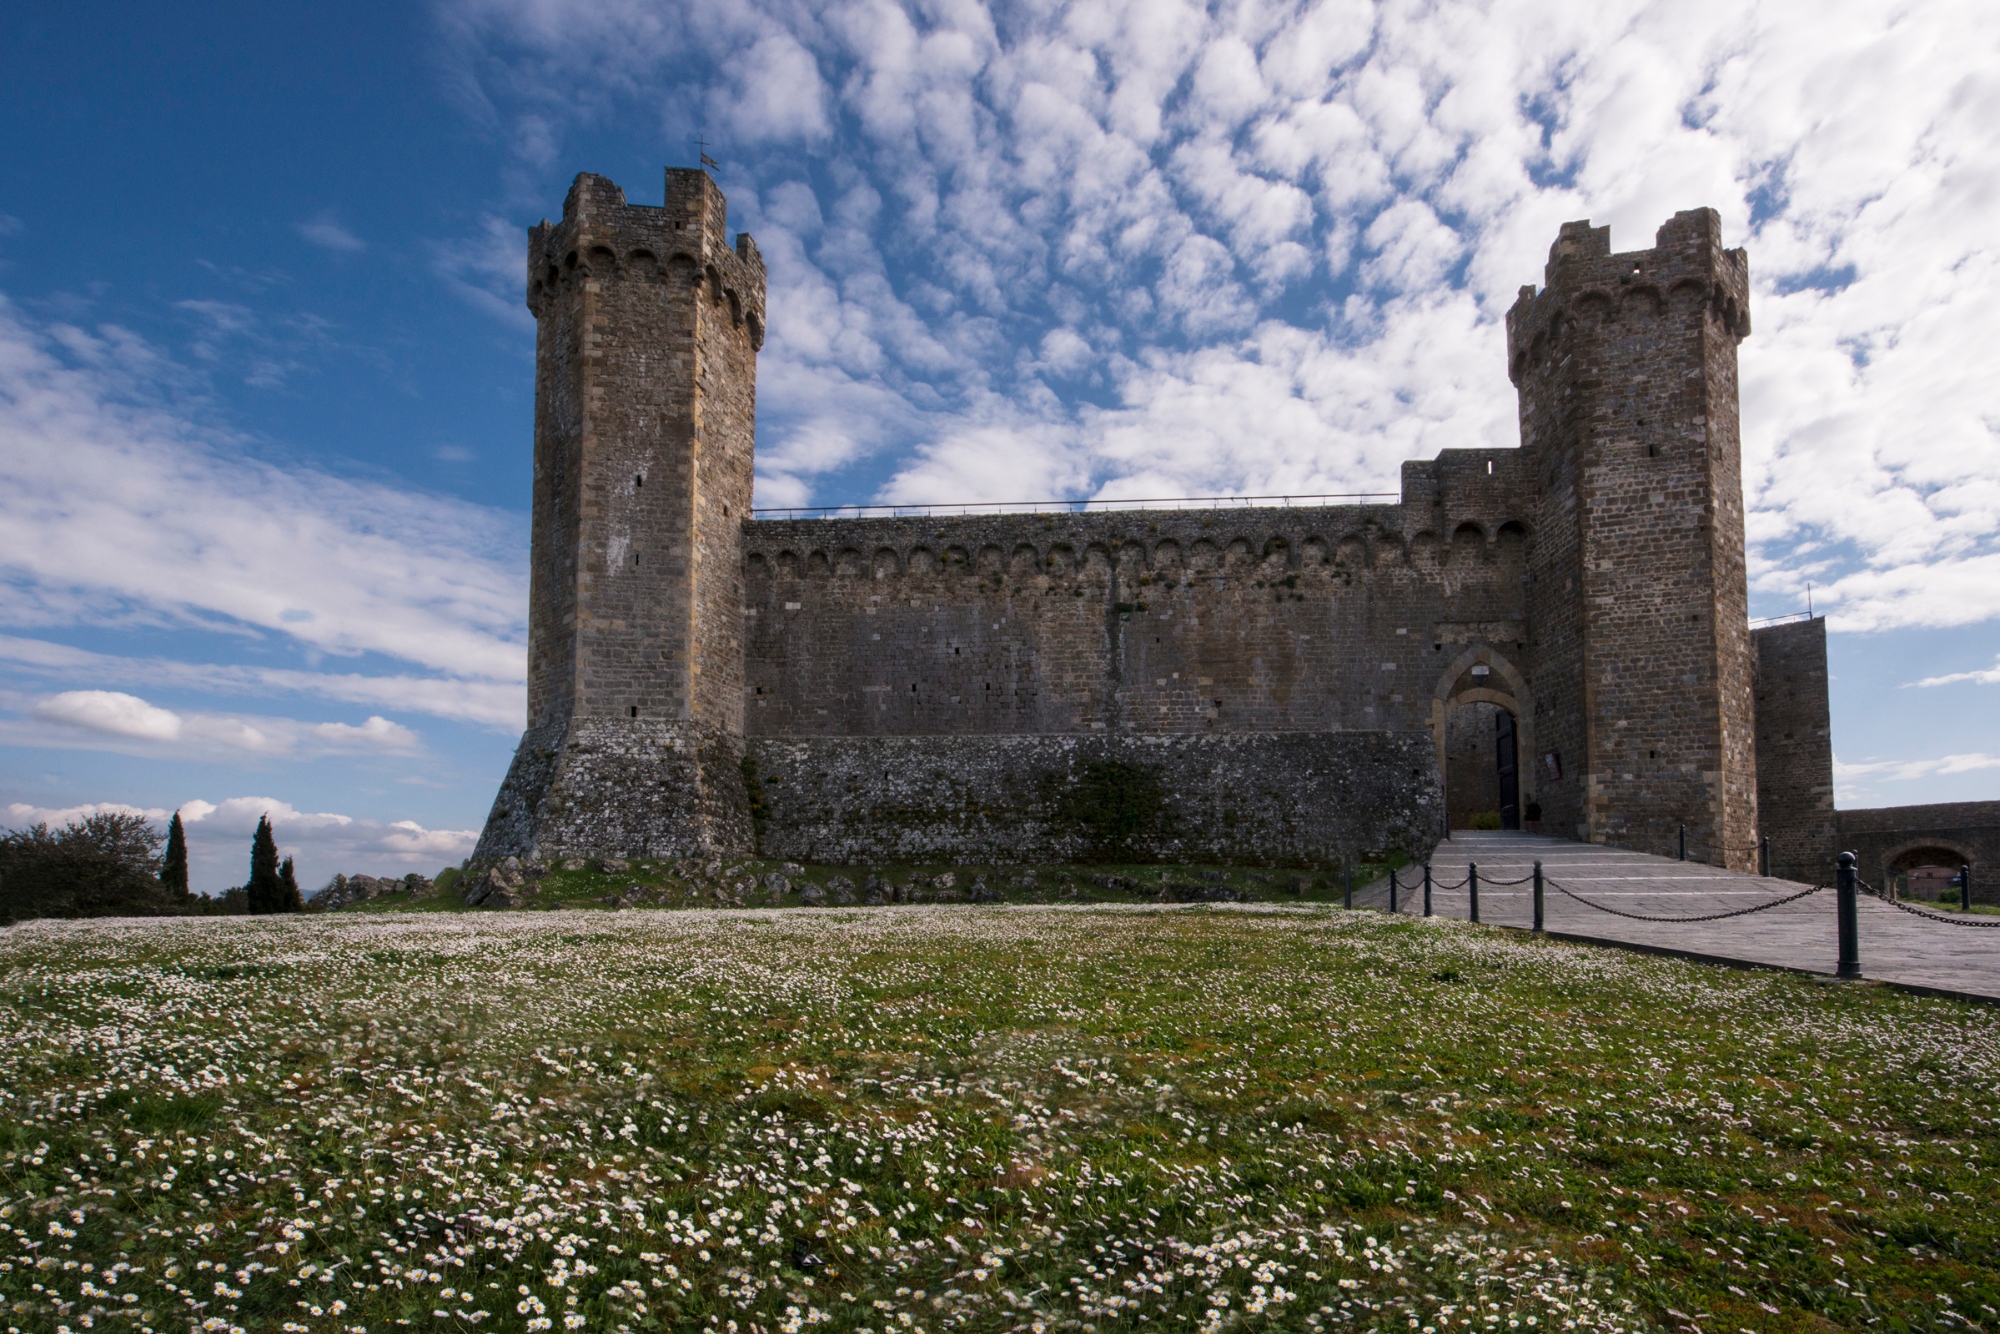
<point>1299,229</point>
<point>322,843</point>
<point>111,713</point>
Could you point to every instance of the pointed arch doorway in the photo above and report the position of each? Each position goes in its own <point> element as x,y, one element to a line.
<point>1482,719</point>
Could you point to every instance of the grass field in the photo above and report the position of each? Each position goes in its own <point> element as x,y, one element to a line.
<point>942,1118</point>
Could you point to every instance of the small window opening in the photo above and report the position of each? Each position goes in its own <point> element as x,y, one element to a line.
<point>635,562</point>
<point>1652,754</point>
<point>1652,451</point>
<point>725,511</point>
<point>635,710</point>
<point>638,481</point>
<point>913,687</point>
<point>954,653</point>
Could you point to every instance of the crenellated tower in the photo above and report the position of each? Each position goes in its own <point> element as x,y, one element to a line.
<point>648,324</point>
<point>1626,368</point>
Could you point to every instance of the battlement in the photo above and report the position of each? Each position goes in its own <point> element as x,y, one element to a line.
<point>1275,541</point>
<point>1687,274</point>
<point>681,242</point>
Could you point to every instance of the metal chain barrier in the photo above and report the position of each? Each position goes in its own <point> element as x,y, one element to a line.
<point>1706,917</point>
<point>1484,882</point>
<point>1900,906</point>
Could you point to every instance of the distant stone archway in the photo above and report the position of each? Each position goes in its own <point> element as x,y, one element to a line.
<point>1916,854</point>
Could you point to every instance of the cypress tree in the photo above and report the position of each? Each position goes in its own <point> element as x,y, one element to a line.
<point>263,892</point>
<point>288,889</point>
<point>174,870</point>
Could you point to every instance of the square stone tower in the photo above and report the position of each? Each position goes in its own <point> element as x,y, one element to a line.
<point>648,325</point>
<point>1626,368</point>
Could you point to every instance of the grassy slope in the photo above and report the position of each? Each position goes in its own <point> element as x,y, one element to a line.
<point>972,1118</point>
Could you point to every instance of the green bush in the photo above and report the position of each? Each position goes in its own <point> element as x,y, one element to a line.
<point>103,866</point>
<point>1486,820</point>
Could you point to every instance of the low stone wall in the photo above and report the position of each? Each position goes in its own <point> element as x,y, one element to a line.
<point>1309,799</point>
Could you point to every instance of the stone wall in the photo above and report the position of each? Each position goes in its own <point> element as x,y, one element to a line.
<point>1212,621</point>
<point>1795,749</point>
<point>1276,799</point>
<point>1890,839</point>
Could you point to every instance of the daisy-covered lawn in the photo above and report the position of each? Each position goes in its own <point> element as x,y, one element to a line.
<point>977,1118</point>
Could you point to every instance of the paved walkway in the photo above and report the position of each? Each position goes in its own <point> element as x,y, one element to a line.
<point>1895,947</point>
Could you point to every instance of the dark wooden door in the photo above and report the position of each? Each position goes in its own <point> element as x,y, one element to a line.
<point>1510,779</point>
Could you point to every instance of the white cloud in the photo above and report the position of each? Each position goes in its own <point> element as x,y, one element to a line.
<point>111,713</point>
<point>1209,185</point>
<point>1988,677</point>
<point>110,718</point>
<point>497,704</point>
<point>113,507</point>
<point>21,815</point>
<point>1856,783</point>
<point>489,269</point>
<point>326,232</point>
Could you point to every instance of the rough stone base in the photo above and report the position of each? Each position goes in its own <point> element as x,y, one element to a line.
<point>1313,799</point>
<point>617,788</point>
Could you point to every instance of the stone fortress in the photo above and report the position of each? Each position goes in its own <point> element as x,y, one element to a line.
<point>1556,632</point>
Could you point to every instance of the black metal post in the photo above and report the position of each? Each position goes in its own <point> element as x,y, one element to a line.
<point>1347,899</point>
<point>1684,842</point>
<point>1472,879</point>
<point>1965,888</point>
<point>1850,920</point>
<point>1427,889</point>
<point>1538,896</point>
<point>1392,889</point>
<point>1764,857</point>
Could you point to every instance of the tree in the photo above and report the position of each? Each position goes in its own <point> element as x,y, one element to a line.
<point>264,891</point>
<point>174,870</point>
<point>288,889</point>
<point>105,865</point>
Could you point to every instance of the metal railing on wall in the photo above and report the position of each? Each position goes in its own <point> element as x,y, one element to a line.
<point>1318,500</point>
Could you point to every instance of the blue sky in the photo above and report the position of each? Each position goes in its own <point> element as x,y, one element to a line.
<point>265,386</point>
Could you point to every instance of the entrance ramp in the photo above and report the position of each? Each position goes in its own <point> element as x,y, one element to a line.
<point>1588,886</point>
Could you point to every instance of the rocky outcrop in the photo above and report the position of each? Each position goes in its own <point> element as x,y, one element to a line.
<point>344,891</point>
<point>509,883</point>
